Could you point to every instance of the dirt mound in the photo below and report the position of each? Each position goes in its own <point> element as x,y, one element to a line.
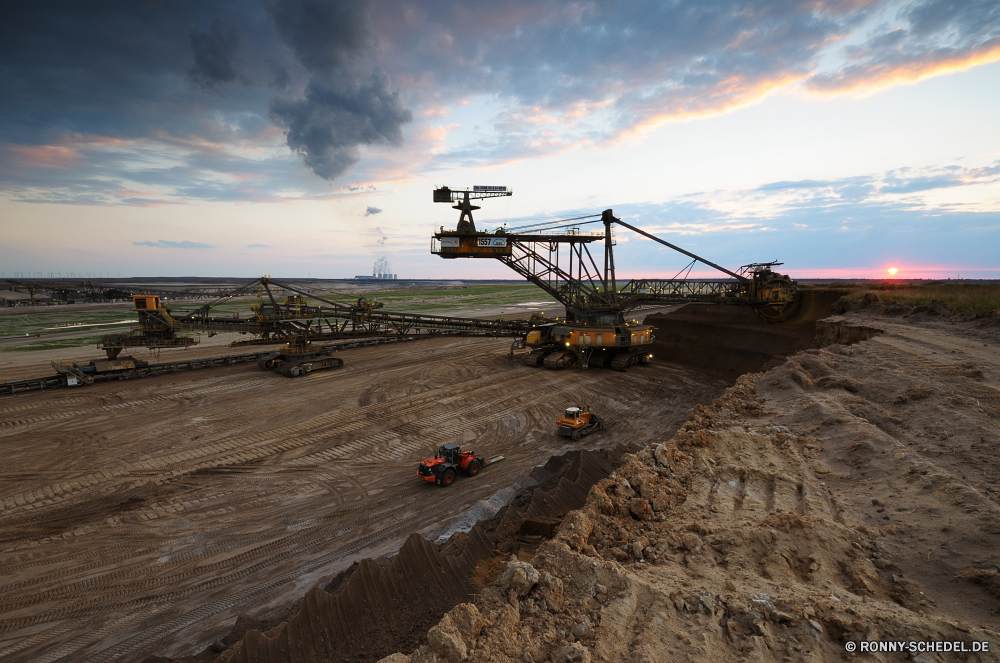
<point>377,606</point>
<point>870,304</point>
<point>375,610</point>
<point>732,340</point>
<point>723,543</point>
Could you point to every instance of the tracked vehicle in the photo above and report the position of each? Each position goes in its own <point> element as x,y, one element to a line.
<point>300,357</point>
<point>578,421</point>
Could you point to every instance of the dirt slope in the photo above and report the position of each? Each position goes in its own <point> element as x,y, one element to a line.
<point>377,609</point>
<point>847,495</point>
<point>908,425</point>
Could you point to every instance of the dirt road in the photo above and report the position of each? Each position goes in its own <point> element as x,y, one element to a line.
<point>144,517</point>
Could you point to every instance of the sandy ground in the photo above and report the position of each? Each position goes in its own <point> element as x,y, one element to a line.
<point>909,427</point>
<point>143,517</point>
<point>848,495</point>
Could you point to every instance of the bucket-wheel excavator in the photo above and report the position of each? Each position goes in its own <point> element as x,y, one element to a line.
<point>558,258</point>
<point>303,320</point>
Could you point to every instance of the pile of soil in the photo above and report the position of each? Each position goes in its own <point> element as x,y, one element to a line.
<point>732,340</point>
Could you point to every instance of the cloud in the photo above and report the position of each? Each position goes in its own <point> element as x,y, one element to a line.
<point>556,76</point>
<point>166,244</point>
<point>193,87</point>
<point>213,55</point>
<point>221,100</point>
<point>924,39</point>
<point>331,122</point>
<point>824,206</point>
<point>93,170</point>
<point>582,73</point>
<point>828,228</point>
<point>325,35</point>
<point>258,246</point>
<point>372,210</point>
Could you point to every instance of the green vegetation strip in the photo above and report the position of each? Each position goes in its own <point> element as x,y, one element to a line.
<point>37,323</point>
<point>422,300</point>
<point>971,297</point>
<point>54,344</point>
<point>451,299</point>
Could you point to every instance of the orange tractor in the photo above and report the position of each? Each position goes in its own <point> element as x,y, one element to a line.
<point>579,421</point>
<point>449,460</point>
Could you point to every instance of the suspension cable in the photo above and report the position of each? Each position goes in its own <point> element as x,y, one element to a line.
<point>553,221</point>
<point>553,226</point>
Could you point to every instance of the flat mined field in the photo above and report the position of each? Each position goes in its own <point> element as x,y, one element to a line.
<point>844,488</point>
<point>143,517</point>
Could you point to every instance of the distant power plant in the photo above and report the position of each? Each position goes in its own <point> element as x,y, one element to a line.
<point>380,272</point>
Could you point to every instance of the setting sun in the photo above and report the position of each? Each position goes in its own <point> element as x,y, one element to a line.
<point>892,271</point>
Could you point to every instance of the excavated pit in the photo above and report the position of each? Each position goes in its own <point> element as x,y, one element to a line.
<point>373,610</point>
<point>148,517</point>
<point>732,340</point>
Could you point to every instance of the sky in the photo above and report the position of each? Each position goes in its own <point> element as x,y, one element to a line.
<point>303,138</point>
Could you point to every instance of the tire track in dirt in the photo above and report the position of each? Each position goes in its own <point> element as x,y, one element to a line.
<point>318,539</point>
<point>69,591</point>
<point>355,419</point>
<point>286,483</point>
<point>11,423</point>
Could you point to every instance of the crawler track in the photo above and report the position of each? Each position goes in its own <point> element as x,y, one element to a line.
<point>134,512</point>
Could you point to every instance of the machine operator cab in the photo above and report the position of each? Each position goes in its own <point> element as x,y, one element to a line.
<point>573,413</point>
<point>146,302</point>
<point>452,453</point>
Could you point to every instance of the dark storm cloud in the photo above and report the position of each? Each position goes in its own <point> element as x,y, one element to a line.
<point>213,55</point>
<point>324,35</point>
<point>202,80</point>
<point>328,125</point>
<point>195,78</point>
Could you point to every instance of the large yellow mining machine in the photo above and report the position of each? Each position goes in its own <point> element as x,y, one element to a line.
<point>557,257</point>
<point>299,357</point>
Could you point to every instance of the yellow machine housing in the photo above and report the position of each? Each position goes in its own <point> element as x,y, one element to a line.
<point>578,421</point>
<point>146,302</point>
<point>465,245</point>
